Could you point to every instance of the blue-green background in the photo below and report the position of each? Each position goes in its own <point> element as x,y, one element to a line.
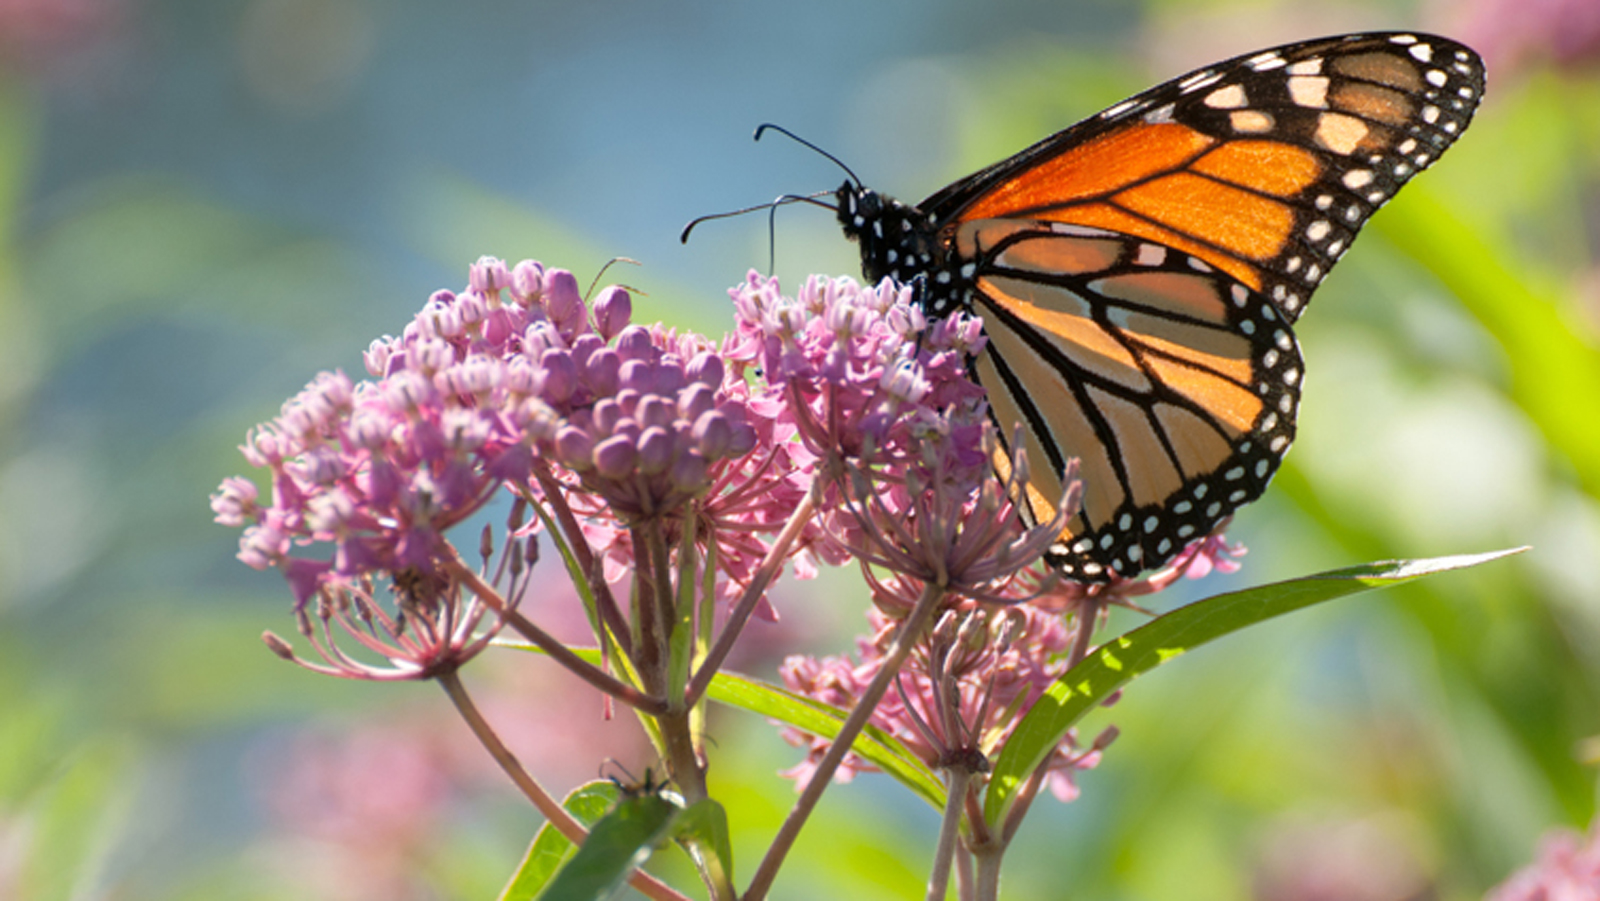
<point>206,202</point>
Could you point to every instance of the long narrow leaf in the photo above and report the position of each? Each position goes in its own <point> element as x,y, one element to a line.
<point>873,744</point>
<point>550,849</point>
<point>1122,659</point>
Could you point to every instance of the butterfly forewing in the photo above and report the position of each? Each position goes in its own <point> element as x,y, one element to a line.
<point>1138,273</point>
<point>1265,166</point>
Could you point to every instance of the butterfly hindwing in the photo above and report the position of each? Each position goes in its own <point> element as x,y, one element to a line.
<point>1174,384</point>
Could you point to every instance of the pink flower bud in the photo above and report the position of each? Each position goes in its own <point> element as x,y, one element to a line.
<point>637,375</point>
<point>583,346</point>
<point>713,434</point>
<point>601,372</point>
<point>690,472</point>
<point>633,343</point>
<point>575,447</point>
<point>655,450</point>
<point>706,368</point>
<point>743,440</point>
<point>562,299</point>
<point>607,413</point>
<point>488,275</point>
<point>669,380</point>
<point>612,310</point>
<point>560,375</point>
<point>615,457</point>
<point>527,281</point>
<point>654,411</point>
<point>695,400</point>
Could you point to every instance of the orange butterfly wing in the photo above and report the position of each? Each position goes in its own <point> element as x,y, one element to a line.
<point>1264,166</point>
<point>1138,273</point>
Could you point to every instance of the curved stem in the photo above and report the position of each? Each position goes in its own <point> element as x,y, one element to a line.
<point>557,815</point>
<point>557,651</point>
<point>753,592</point>
<point>593,568</point>
<point>910,633</point>
<point>949,832</point>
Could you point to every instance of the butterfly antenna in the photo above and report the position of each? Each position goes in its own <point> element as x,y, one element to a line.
<point>772,204</point>
<point>609,263</point>
<point>803,142</point>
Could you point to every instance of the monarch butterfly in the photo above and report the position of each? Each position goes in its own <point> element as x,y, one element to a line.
<point>1138,273</point>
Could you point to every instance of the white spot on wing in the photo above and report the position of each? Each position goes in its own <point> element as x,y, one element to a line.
<point>1308,91</point>
<point>1230,97</point>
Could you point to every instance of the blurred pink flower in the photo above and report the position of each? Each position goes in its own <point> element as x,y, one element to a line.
<point>1512,34</point>
<point>357,813</point>
<point>1340,860</point>
<point>1567,869</point>
<point>36,34</point>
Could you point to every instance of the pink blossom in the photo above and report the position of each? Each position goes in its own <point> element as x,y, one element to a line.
<point>964,689</point>
<point>1567,869</point>
<point>1514,33</point>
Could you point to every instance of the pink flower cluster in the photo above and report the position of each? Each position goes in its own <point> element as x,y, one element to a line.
<point>484,388</point>
<point>964,689</point>
<point>863,373</point>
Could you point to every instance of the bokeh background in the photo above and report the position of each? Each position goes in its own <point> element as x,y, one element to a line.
<point>203,203</point>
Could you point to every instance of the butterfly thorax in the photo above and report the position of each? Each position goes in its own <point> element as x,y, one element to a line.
<point>901,242</point>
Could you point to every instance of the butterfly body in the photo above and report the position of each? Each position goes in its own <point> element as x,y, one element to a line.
<point>1138,274</point>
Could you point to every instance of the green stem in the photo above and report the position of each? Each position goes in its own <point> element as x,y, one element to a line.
<point>558,652</point>
<point>949,833</point>
<point>752,595</point>
<point>563,822</point>
<point>911,631</point>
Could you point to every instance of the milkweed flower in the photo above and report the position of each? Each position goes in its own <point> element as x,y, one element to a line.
<point>963,690</point>
<point>863,372</point>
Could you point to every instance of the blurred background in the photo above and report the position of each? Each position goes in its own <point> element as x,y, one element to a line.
<point>204,203</point>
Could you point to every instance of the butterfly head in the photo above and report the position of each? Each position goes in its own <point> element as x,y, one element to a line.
<point>896,239</point>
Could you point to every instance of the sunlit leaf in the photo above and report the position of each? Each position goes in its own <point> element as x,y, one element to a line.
<point>617,845</point>
<point>550,849</point>
<point>1120,660</point>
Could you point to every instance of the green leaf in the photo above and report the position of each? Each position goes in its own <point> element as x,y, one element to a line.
<point>619,843</point>
<point>882,749</point>
<point>704,827</point>
<point>1554,369</point>
<point>1117,662</point>
<point>873,744</point>
<point>550,849</point>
